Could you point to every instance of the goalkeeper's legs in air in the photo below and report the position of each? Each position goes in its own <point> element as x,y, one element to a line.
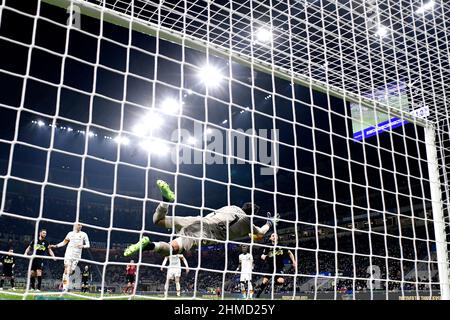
<point>178,245</point>
<point>161,219</point>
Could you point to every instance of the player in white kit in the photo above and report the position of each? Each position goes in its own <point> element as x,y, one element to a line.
<point>246,266</point>
<point>77,240</point>
<point>174,271</point>
<point>226,223</point>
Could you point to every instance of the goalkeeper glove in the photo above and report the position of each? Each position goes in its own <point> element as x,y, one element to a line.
<point>275,219</point>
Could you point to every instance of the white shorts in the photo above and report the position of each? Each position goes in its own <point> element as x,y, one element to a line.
<point>246,277</point>
<point>173,272</point>
<point>71,262</point>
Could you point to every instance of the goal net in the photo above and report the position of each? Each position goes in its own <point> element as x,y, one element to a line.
<point>331,113</point>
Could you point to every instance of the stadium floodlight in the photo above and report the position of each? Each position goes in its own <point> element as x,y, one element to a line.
<point>40,123</point>
<point>426,7</point>
<point>382,31</point>
<point>154,147</point>
<point>69,129</point>
<point>170,106</point>
<point>140,129</point>
<point>264,35</point>
<point>91,134</point>
<point>153,120</point>
<point>224,121</point>
<point>122,140</point>
<point>210,76</point>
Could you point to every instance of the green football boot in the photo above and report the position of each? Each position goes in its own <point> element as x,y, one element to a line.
<point>132,249</point>
<point>167,194</point>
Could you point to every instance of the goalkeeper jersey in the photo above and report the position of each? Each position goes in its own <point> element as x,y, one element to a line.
<point>232,218</point>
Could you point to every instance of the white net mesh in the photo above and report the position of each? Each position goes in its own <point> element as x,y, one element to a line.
<point>332,113</point>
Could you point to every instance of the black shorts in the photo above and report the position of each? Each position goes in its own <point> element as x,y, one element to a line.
<point>8,272</point>
<point>37,264</point>
<point>269,271</point>
<point>131,278</point>
<point>85,280</point>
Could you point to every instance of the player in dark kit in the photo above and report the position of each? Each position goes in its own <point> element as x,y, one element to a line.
<point>8,269</point>
<point>40,248</point>
<point>279,254</point>
<point>85,275</point>
<point>131,277</point>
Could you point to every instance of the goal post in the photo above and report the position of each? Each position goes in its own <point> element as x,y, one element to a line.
<point>437,210</point>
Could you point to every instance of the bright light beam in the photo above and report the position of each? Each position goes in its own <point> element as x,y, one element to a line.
<point>122,140</point>
<point>382,31</point>
<point>153,120</point>
<point>170,106</point>
<point>155,147</point>
<point>140,130</point>
<point>210,76</point>
<point>264,35</point>
<point>426,6</point>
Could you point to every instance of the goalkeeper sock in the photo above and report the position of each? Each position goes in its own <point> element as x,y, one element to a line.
<point>39,282</point>
<point>160,212</point>
<point>177,284</point>
<point>1,283</point>
<point>32,282</point>
<point>162,248</point>
<point>12,282</point>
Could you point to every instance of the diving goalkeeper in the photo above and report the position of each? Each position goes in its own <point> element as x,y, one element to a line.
<point>230,219</point>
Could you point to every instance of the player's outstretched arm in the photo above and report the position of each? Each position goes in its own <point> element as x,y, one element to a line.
<point>59,245</point>
<point>261,231</point>
<point>185,263</point>
<point>163,263</point>
<point>27,250</point>
<point>50,252</point>
<point>291,255</point>
<point>87,244</point>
